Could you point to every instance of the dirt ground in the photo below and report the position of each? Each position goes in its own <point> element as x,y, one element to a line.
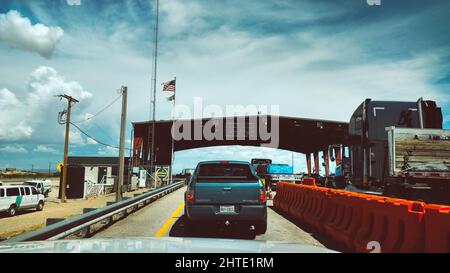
<point>29,220</point>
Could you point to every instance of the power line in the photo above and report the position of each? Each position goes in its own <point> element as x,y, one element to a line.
<point>96,140</point>
<point>99,112</point>
<point>103,133</point>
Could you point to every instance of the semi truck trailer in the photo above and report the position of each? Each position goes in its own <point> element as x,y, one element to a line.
<point>399,149</point>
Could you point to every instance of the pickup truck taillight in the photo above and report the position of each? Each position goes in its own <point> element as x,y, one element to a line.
<point>190,197</point>
<point>262,195</point>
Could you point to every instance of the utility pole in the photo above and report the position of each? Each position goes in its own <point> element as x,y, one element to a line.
<point>63,186</point>
<point>123,127</point>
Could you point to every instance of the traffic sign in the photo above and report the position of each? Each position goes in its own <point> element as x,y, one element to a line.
<point>162,173</point>
<point>59,166</point>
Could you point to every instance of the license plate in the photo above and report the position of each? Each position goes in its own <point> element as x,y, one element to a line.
<point>226,209</point>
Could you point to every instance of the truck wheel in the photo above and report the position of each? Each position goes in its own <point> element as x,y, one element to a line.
<point>261,227</point>
<point>46,194</point>
<point>40,206</point>
<point>12,210</point>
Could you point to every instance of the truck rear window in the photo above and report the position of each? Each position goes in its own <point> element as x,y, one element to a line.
<point>215,172</point>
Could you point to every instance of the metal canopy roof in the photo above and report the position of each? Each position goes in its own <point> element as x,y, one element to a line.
<point>301,135</point>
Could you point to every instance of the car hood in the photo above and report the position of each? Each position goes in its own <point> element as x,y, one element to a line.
<point>159,245</point>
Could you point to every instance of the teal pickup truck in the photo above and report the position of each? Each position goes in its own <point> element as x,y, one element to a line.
<point>228,193</point>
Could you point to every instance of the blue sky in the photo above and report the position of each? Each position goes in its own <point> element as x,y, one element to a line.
<point>315,59</point>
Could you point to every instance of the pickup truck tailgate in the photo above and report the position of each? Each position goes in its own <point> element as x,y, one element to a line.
<point>227,192</point>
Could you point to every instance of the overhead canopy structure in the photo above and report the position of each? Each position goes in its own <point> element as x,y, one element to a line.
<point>288,133</point>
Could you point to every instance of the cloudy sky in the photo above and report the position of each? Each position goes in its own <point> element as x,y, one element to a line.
<point>315,59</point>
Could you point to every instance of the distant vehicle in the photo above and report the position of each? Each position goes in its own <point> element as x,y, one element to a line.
<point>15,197</point>
<point>281,172</point>
<point>43,186</point>
<point>271,173</point>
<point>399,148</point>
<point>256,162</point>
<point>185,174</point>
<point>227,192</point>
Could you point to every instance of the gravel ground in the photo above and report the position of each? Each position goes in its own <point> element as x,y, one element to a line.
<point>29,220</point>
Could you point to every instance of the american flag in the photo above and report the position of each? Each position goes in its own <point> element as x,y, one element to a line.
<point>169,86</point>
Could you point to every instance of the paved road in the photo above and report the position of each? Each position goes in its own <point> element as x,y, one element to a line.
<point>164,217</point>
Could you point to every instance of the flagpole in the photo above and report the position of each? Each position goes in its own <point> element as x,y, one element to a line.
<point>173,122</point>
<point>155,59</point>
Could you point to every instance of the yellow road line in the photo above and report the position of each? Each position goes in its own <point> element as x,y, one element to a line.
<point>163,230</point>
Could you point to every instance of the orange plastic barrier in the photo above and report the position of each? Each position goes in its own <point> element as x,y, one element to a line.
<point>344,233</point>
<point>289,196</point>
<point>279,197</point>
<point>318,212</point>
<point>298,195</point>
<point>437,228</point>
<point>373,225</point>
<point>309,181</point>
<point>298,208</point>
<point>284,197</point>
<point>345,225</point>
<point>405,226</point>
<point>354,219</point>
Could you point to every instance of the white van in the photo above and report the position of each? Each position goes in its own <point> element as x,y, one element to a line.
<point>43,186</point>
<point>18,197</point>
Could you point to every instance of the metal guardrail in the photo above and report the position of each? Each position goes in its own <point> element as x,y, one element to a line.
<point>72,225</point>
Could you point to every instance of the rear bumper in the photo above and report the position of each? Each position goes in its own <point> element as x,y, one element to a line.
<point>212,213</point>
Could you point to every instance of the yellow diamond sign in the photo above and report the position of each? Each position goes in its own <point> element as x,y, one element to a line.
<point>59,166</point>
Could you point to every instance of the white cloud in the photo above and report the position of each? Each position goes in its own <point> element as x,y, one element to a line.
<point>14,149</point>
<point>12,126</point>
<point>73,2</point>
<point>45,149</point>
<point>90,141</point>
<point>75,138</point>
<point>34,115</point>
<point>108,151</point>
<point>179,16</point>
<point>307,74</point>
<point>17,31</point>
